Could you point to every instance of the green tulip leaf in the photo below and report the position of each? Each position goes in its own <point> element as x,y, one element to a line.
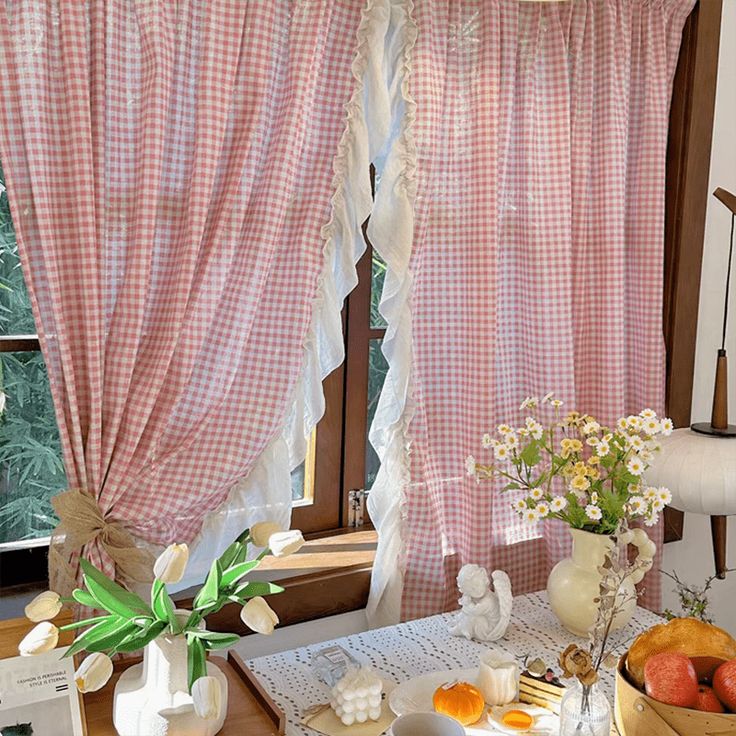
<point>236,572</point>
<point>105,640</point>
<point>163,606</point>
<point>138,639</point>
<point>222,641</point>
<point>209,592</point>
<point>196,659</point>
<point>86,622</point>
<point>111,596</point>
<point>95,638</point>
<point>84,598</point>
<point>258,587</point>
<point>231,556</point>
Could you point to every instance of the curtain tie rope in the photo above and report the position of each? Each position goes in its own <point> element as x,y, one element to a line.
<point>80,522</point>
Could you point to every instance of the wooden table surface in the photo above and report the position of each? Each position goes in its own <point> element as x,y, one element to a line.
<point>246,716</point>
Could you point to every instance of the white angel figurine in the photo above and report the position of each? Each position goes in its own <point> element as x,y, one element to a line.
<point>485,613</point>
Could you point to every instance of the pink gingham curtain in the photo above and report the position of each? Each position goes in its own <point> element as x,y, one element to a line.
<point>182,232</point>
<point>534,156</point>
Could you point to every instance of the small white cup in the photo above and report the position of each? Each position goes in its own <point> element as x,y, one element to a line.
<point>426,724</point>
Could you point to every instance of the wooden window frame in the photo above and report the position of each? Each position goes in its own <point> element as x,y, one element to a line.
<point>19,344</point>
<point>340,446</point>
<point>686,200</point>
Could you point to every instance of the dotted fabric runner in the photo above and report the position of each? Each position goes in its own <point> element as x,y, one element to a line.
<point>401,652</point>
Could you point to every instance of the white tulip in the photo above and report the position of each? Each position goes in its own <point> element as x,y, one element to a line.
<point>262,531</point>
<point>93,673</point>
<point>41,638</point>
<point>171,563</point>
<point>207,697</point>
<point>285,543</point>
<point>259,616</point>
<point>2,402</point>
<point>44,606</point>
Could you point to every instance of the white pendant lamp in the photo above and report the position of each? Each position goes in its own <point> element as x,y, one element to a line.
<point>698,464</point>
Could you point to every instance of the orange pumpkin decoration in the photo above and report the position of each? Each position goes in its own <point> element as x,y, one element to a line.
<point>461,701</point>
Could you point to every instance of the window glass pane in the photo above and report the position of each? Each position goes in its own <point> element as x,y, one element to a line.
<point>297,483</point>
<point>31,469</point>
<point>377,369</point>
<point>302,477</point>
<point>15,307</point>
<point>378,274</point>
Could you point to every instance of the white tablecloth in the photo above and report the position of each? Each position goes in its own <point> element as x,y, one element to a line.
<point>401,652</point>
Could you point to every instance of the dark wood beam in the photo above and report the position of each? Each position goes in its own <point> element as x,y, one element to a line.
<point>688,170</point>
<point>19,343</point>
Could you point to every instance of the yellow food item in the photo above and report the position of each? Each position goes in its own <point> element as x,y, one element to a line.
<point>705,644</point>
<point>461,701</point>
<point>517,719</point>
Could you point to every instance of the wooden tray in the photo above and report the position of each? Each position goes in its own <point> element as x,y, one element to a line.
<point>250,710</point>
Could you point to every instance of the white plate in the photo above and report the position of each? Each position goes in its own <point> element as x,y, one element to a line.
<point>415,695</point>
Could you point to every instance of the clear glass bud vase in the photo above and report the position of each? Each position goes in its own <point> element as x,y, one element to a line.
<point>585,711</point>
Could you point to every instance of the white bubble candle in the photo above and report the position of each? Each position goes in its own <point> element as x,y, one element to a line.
<point>356,698</point>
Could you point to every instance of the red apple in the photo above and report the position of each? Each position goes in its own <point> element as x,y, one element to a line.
<point>724,683</point>
<point>708,701</point>
<point>670,678</point>
<point>705,667</point>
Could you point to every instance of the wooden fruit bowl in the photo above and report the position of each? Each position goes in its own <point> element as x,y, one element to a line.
<point>638,715</point>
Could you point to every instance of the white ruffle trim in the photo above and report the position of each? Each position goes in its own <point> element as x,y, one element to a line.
<point>265,494</point>
<point>391,232</point>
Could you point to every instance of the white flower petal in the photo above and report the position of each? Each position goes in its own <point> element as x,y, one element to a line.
<point>259,616</point>
<point>44,606</point>
<point>286,543</point>
<point>207,697</point>
<point>93,673</point>
<point>41,638</point>
<point>171,563</point>
<point>262,531</point>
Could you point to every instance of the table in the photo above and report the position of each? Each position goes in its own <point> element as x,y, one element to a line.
<point>401,652</point>
<point>247,713</point>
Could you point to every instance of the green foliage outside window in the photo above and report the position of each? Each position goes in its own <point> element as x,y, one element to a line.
<point>377,365</point>
<point>31,470</point>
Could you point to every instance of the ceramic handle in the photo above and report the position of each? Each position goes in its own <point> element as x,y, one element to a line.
<point>646,551</point>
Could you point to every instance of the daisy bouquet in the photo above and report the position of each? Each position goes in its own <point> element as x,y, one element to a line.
<point>575,469</point>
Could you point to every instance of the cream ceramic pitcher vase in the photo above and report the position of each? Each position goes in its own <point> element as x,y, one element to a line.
<point>574,582</point>
<point>152,698</point>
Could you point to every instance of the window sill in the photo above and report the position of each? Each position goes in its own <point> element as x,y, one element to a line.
<point>329,575</point>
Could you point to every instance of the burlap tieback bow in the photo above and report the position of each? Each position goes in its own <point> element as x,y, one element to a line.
<point>80,522</point>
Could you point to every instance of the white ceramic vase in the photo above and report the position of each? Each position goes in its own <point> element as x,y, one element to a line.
<point>152,698</point>
<point>574,582</point>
